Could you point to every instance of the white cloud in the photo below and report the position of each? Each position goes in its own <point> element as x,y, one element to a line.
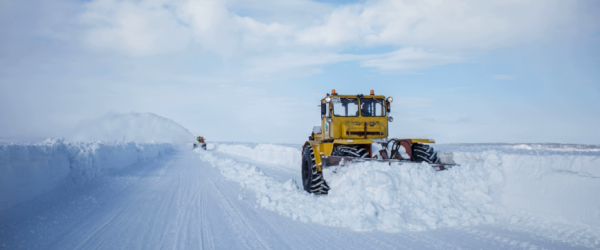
<point>270,39</point>
<point>292,65</point>
<point>134,28</point>
<point>462,25</point>
<point>301,65</point>
<point>153,26</point>
<point>289,12</point>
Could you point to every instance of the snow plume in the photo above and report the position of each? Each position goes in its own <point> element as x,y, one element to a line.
<point>507,184</point>
<point>31,169</point>
<point>136,127</point>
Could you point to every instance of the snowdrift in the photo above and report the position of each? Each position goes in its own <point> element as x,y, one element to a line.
<point>555,181</point>
<point>267,153</point>
<point>30,169</point>
<point>136,127</point>
<point>495,183</point>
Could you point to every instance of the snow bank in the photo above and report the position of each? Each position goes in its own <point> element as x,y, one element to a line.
<point>30,169</point>
<point>376,196</point>
<point>267,153</point>
<point>557,181</point>
<point>506,183</point>
<point>136,127</point>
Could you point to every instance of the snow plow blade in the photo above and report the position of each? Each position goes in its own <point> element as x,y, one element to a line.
<point>329,161</point>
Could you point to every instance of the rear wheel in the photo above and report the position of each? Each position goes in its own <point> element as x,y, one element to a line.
<point>424,153</point>
<point>312,180</point>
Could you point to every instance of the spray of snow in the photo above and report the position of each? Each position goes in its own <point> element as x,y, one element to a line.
<point>31,169</point>
<point>507,184</point>
<point>135,127</point>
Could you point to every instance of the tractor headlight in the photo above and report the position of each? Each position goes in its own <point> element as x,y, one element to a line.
<point>328,99</point>
<point>390,99</point>
<point>390,119</point>
<point>328,120</point>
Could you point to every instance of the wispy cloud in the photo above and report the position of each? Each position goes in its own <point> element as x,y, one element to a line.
<point>290,64</point>
<point>409,59</point>
<point>430,33</point>
<point>404,60</point>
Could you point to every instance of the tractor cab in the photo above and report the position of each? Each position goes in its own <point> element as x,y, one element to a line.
<point>354,116</point>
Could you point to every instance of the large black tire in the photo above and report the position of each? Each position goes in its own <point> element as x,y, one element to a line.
<point>424,153</point>
<point>204,146</point>
<point>312,180</point>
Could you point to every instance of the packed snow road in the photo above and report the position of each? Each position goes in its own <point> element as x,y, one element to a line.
<point>216,200</point>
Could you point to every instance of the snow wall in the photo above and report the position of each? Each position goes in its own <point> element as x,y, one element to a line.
<point>136,127</point>
<point>509,183</point>
<point>30,169</point>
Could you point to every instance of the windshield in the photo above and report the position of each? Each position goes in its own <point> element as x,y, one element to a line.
<point>372,107</point>
<point>345,106</point>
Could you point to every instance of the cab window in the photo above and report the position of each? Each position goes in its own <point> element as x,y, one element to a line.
<point>372,107</point>
<point>343,106</point>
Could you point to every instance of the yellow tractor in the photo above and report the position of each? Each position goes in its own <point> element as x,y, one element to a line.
<point>354,128</point>
<point>201,141</point>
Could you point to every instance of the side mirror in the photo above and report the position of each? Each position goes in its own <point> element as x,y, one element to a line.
<point>323,108</point>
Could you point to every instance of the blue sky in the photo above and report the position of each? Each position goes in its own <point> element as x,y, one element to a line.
<point>254,71</point>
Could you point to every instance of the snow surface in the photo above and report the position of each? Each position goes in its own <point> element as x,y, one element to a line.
<point>242,196</point>
<point>512,184</point>
<point>558,181</point>
<point>30,169</point>
<point>267,153</point>
<point>136,127</point>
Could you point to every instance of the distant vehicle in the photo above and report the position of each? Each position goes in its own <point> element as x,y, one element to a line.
<point>201,142</point>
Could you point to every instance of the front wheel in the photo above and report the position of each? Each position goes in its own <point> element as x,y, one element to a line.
<point>312,180</point>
